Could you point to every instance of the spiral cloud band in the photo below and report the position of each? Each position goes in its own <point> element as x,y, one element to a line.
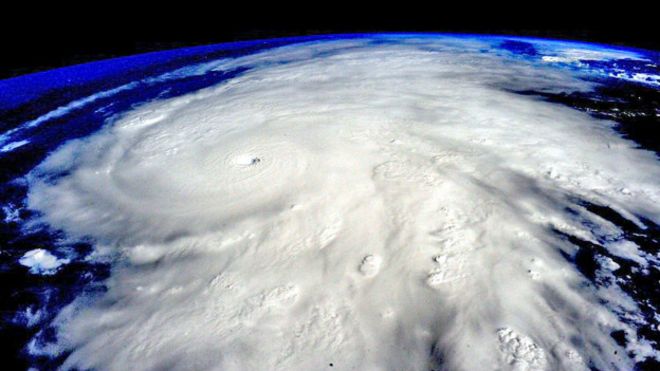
<point>365,205</point>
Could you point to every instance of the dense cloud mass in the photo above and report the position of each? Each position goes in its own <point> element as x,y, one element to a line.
<point>385,206</point>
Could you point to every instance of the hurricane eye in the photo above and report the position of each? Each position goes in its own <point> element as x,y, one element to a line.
<point>246,160</point>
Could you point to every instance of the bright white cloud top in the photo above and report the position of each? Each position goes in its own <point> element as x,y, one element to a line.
<point>41,261</point>
<point>374,206</point>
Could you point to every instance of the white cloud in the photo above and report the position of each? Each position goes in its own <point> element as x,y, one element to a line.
<point>13,145</point>
<point>411,154</point>
<point>41,261</point>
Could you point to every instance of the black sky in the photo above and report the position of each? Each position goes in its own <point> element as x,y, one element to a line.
<point>56,36</point>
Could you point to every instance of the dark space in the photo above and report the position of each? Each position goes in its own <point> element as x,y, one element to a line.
<point>60,35</point>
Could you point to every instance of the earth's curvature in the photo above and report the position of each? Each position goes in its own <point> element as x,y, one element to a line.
<point>350,202</point>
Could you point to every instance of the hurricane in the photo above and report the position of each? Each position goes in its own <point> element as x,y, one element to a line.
<point>362,202</point>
